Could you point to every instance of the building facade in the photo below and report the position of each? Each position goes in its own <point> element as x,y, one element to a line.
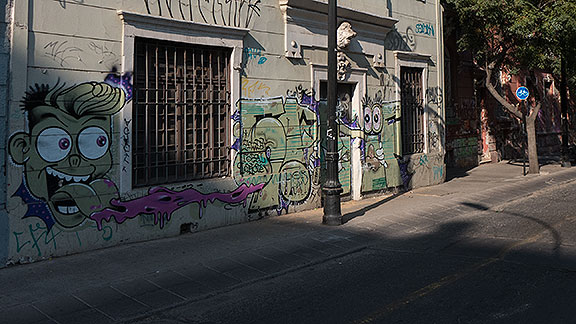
<point>139,119</point>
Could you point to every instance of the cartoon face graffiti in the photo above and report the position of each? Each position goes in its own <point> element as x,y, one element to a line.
<point>373,120</point>
<point>66,152</point>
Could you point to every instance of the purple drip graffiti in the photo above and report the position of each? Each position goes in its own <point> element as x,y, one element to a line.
<point>162,202</point>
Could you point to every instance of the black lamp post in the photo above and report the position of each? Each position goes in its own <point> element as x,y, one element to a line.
<point>332,187</point>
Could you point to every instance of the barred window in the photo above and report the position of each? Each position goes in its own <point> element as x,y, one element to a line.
<point>181,114</point>
<point>412,104</point>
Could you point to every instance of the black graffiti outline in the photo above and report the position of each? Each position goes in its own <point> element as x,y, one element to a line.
<point>243,10</point>
<point>105,53</point>
<point>435,96</point>
<point>58,52</point>
<point>126,146</point>
<point>63,2</point>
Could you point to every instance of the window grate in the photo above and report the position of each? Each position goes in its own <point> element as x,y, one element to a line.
<point>181,112</point>
<point>412,104</point>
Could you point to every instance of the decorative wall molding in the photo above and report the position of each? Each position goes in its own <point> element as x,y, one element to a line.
<point>412,56</point>
<point>305,26</point>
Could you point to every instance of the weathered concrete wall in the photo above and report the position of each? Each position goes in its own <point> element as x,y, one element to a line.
<point>419,30</point>
<point>276,122</point>
<point>5,12</point>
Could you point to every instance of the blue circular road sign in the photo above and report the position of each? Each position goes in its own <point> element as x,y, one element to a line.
<point>522,93</point>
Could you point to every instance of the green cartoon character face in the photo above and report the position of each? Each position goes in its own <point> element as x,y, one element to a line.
<point>66,153</point>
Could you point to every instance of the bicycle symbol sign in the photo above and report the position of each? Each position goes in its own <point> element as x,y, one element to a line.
<point>522,93</point>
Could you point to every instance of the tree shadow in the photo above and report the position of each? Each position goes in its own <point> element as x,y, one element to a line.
<point>457,172</point>
<point>361,212</point>
<point>394,274</point>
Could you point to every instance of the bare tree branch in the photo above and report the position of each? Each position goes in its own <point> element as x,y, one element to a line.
<point>534,113</point>
<point>511,108</point>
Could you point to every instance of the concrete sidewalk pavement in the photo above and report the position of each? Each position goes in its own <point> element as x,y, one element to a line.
<point>130,281</point>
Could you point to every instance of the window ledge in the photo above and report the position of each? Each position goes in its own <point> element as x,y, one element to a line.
<point>412,56</point>
<point>180,26</point>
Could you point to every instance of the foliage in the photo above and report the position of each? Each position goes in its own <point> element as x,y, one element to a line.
<point>519,34</point>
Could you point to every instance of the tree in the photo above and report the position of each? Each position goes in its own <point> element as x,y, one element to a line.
<point>518,36</point>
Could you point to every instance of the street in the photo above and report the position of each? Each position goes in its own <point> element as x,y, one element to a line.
<point>287,161</point>
<point>512,264</point>
<point>487,246</point>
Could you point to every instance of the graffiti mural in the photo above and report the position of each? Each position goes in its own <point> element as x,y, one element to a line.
<point>277,148</point>
<point>66,151</point>
<point>380,168</point>
<point>66,156</point>
<point>162,203</point>
<point>463,148</point>
<point>348,125</point>
<point>236,13</point>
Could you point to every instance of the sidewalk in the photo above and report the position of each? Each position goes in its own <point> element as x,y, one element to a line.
<point>130,281</point>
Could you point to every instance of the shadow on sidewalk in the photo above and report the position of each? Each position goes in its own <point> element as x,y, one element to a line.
<point>361,212</point>
<point>442,275</point>
<point>437,271</point>
<point>456,172</point>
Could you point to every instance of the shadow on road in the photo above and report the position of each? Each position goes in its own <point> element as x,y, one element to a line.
<point>493,266</point>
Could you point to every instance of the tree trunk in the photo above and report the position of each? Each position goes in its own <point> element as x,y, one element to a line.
<point>532,147</point>
<point>534,167</point>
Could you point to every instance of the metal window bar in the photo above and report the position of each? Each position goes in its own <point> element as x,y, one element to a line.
<point>412,105</point>
<point>181,112</point>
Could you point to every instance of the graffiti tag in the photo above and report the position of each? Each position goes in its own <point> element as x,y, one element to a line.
<point>425,28</point>
<point>62,53</point>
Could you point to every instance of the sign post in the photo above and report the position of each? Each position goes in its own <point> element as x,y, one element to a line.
<point>522,94</point>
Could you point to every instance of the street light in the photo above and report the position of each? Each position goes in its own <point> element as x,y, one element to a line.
<point>332,187</point>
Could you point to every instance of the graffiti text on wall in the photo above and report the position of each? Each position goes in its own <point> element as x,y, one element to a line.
<point>425,29</point>
<point>237,13</point>
<point>65,54</point>
<point>39,238</point>
<point>105,55</point>
<point>62,53</point>
<point>254,88</point>
<point>254,55</point>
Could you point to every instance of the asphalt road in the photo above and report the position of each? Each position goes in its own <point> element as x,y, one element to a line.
<point>512,264</point>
